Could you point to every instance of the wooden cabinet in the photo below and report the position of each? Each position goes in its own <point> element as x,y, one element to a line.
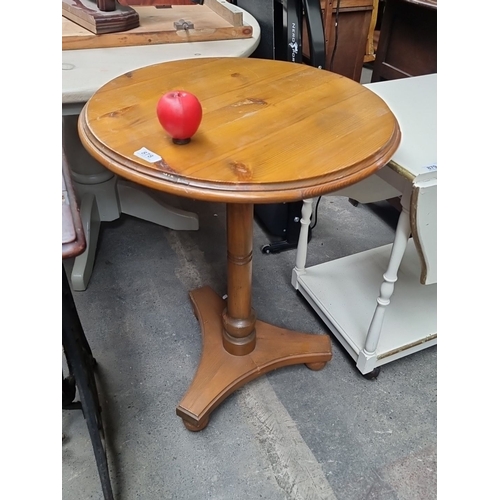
<point>353,29</point>
<point>371,42</point>
<point>352,26</point>
<point>408,40</point>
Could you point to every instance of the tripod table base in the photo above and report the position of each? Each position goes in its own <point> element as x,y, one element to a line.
<point>220,373</point>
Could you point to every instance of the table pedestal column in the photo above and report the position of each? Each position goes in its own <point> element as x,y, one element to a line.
<point>237,347</point>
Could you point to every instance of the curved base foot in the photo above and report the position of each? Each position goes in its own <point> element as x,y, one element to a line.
<point>315,366</point>
<point>219,373</point>
<point>196,427</point>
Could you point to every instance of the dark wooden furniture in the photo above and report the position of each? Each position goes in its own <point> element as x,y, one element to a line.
<point>73,236</point>
<point>276,18</point>
<point>346,35</point>
<point>272,131</point>
<point>372,40</point>
<point>79,358</point>
<point>408,40</point>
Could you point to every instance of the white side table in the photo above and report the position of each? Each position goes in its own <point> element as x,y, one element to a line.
<point>104,197</point>
<point>382,304</point>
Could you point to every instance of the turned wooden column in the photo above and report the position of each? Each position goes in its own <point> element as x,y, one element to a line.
<point>238,318</point>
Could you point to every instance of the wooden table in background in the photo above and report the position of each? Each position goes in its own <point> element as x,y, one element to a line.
<point>104,197</point>
<point>215,20</point>
<point>408,40</point>
<point>262,140</point>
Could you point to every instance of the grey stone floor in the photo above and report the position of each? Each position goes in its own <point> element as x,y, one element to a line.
<point>291,434</point>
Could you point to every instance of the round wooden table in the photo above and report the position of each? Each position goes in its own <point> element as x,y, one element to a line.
<point>272,131</point>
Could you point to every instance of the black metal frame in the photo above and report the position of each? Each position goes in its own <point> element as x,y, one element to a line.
<point>288,44</point>
<point>316,33</point>
<point>81,365</point>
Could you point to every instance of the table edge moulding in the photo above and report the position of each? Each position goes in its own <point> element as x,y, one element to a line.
<point>260,140</point>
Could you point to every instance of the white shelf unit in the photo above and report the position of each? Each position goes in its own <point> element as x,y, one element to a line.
<point>343,293</point>
<point>381,304</point>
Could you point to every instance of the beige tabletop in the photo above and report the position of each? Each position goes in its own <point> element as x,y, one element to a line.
<point>86,70</point>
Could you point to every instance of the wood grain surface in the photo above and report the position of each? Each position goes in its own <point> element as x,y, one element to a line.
<point>157,27</point>
<point>271,130</point>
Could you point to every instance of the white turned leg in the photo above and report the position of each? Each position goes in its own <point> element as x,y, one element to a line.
<point>305,221</point>
<point>368,358</point>
<point>142,203</point>
<point>84,263</point>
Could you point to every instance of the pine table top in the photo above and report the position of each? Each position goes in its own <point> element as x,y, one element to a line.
<point>272,131</point>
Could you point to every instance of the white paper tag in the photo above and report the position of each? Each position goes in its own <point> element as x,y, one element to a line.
<point>147,155</point>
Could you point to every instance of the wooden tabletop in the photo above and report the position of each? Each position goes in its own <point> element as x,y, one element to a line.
<point>272,131</point>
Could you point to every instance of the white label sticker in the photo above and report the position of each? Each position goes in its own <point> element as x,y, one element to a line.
<point>431,167</point>
<point>147,155</point>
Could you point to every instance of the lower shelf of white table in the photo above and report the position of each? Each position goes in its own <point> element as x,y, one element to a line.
<point>344,294</point>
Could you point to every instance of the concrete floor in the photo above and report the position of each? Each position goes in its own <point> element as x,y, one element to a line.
<point>291,434</point>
